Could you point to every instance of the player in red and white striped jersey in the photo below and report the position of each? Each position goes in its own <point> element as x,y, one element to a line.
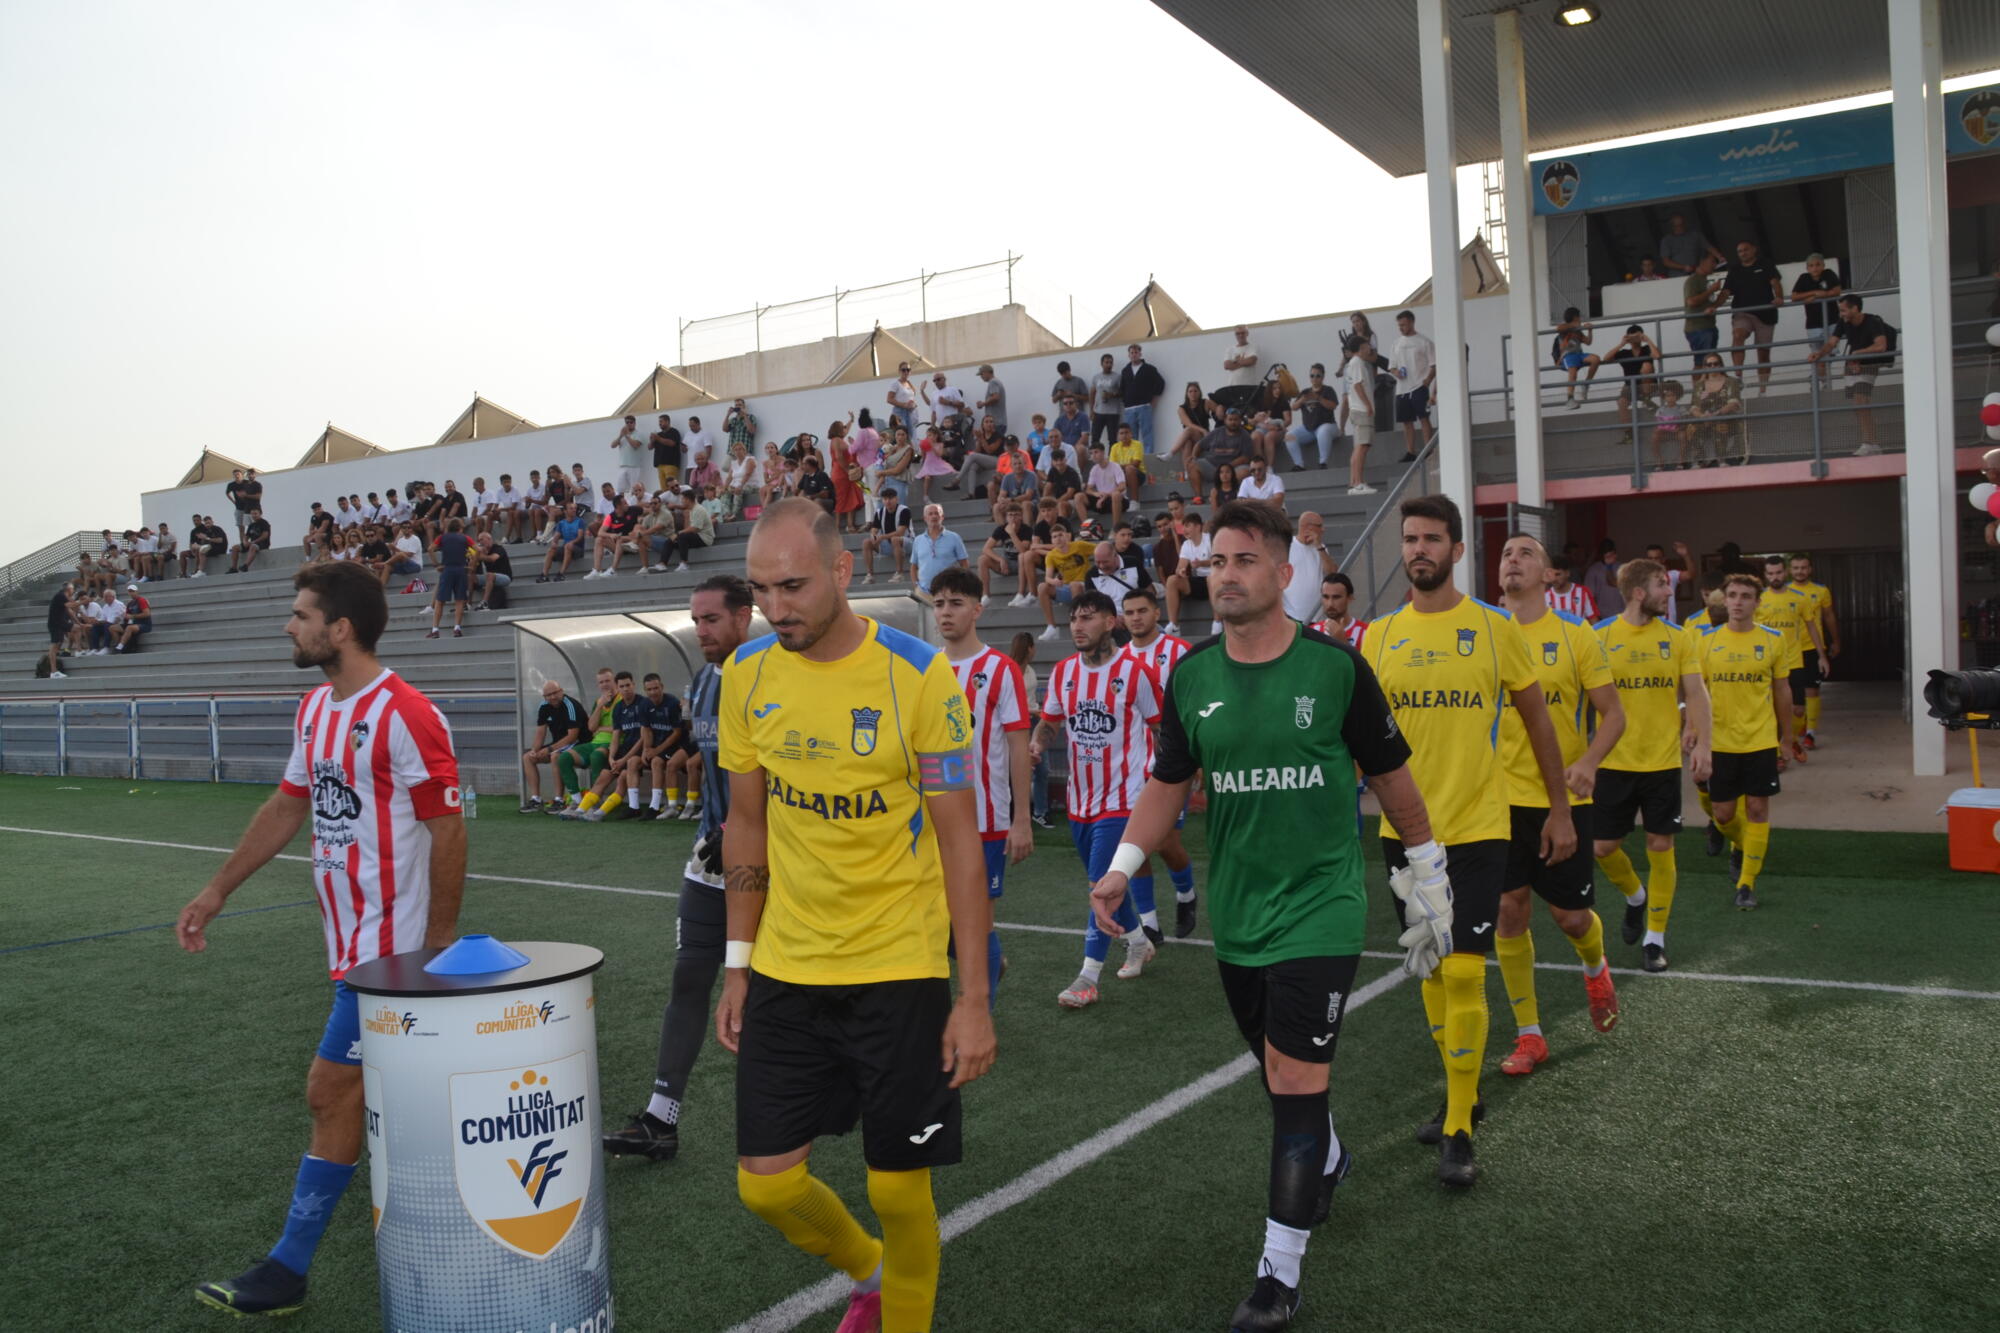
<point>1336,590</point>
<point>372,764</point>
<point>1159,652</point>
<point>1001,716</point>
<point>1104,699</point>
<point>1571,597</point>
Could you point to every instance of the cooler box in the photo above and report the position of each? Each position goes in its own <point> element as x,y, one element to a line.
<point>1973,820</point>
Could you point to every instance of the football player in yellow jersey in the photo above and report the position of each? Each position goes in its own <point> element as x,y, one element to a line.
<point>1447,663</point>
<point>1743,665</point>
<point>1819,606</point>
<point>1569,663</point>
<point>851,856</point>
<point>1653,664</point>
<point>1791,614</point>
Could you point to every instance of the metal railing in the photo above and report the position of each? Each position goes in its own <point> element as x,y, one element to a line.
<point>61,554</point>
<point>1373,581</point>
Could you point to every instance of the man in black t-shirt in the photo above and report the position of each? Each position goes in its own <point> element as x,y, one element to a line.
<point>1817,289</point>
<point>1006,554</point>
<point>375,552</point>
<point>256,538</point>
<point>889,527</point>
<point>815,485</point>
<point>496,568</point>
<point>660,712</point>
<point>454,552</point>
<point>558,727</point>
<point>319,529</point>
<point>666,443</point>
<point>244,494</point>
<point>1755,293</point>
<point>1063,484</point>
<point>62,619</point>
<point>1870,350</point>
<point>205,539</point>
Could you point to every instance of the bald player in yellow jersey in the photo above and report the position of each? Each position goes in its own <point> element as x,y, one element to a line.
<point>1818,663</point>
<point>1793,615</point>
<point>1447,664</point>
<point>850,859</point>
<point>1742,663</point>
<point>1653,664</point>
<point>1569,664</point>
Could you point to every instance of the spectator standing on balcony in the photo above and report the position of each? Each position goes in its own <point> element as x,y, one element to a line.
<point>1755,292</point>
<point>666,443</point>
<point>494,569</point>
<point>1228,444</point>
<point>1139,388</point>
<point>256,538</point>
<point>1818,289</point>
<point>1107,401</point>
<point>947,404</point>
<point>1068,386</point>
<point>206,539</point>
<point>739,426</point>
<point>631,452</point>
<point>1315,417</point>
<point>246,493</point>
<point>992,400</point>
<point>454,583</point>
<point>1869,352</point>
<point>1701,294</point>
<point>1413,361</point>
<point>1682,250</point>
<point>902,399</point>
<point>697,445</point>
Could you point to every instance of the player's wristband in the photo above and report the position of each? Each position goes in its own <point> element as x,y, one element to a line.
<point>1128,859</point>
<point>1427,853</point>
<point>736,953</point>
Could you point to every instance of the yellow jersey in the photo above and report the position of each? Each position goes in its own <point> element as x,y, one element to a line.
<point>1131,453</point>
<point>1818,598</point>
<point>1785,611</point>
<point>1647,664</point>
<point>1446,675</point>
<point>1741,668</point>
<point>847,751</point>
<point>1568,662</point>
<point>1072,563</point>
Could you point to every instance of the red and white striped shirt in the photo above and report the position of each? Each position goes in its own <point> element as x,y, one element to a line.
<point>1106,709</point>
<point>1576,600</point>
<point>1160,657</point>
<point>1355,628</point>
<point>998,693</point>
<point>375,766</point>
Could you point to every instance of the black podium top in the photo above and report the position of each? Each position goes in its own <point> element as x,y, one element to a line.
<point>403,973</point>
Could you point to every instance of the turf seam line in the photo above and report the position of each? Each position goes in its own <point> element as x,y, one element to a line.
<point>829,1292</point>
<point>164,925</point>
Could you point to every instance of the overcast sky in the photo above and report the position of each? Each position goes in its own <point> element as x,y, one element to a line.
<point>231,223</point>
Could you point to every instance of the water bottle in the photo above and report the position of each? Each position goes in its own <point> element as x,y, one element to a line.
<point>469,802</point>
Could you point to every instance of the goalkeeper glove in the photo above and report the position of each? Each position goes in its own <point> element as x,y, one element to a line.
<point>1424,890</point>
<point>708,852</point>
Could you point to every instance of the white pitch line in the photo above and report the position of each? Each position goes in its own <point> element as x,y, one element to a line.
<point>831,1291</point>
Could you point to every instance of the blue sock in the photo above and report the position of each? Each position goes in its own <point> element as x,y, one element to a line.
<point>1183,881</point>
<point>1141,896</point>
<point>319,1188</point>
<point>1097,944</point>
<point>992,969</point>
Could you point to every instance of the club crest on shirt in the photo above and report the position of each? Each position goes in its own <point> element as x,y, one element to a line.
<point>1467,638</point>
<point>358,735</point>
<point>1758,648</point>
<point>1302,711</point>
<point>1548,654</point>
<point>863,738</point>
<point>1666,649</point>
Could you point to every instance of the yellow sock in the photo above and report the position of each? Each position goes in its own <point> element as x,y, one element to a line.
<point>1433,992</point>
<point>1589,946</point>
<point>612,802</point>
<point>1517,973</point>
<point>1756,842</point>
<point>1812,712</point>
<point>1617,868</point>
<point>589,801</point>
<point>902,1199</point>
<point>1707,804</point>
<point>1464,1036</point>
<point>1798,723</point>
<point>1663,877</point>
<point>1733,828</point>
<point>673,795</point>
<point>812,1217</point>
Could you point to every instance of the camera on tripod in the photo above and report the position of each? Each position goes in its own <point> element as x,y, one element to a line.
<point>1953,695</point>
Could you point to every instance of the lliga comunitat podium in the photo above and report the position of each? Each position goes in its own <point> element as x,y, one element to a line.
<point>486,1163</point>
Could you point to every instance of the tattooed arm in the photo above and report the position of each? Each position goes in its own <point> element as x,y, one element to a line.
<point>746,879</point>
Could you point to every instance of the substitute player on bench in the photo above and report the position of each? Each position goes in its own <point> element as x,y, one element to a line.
<point>1568,662</point>
<point>372,764</point>
<point>1278,716</point>
<point>1742,663</point>
<point>847,868</point>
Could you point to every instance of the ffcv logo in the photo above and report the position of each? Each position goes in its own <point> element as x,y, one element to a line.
<point>522,1152</point>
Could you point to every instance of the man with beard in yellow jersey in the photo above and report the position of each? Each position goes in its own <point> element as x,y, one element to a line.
<point>1653,664</point>
<point>1792,614</point>
<point>1568,661</point>
<point>850,858</point>
<point>1819,610</point>
<point>1447,664</point>
<point>1742,663</point>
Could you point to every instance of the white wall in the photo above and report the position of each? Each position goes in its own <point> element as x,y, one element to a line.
<point>288,494</point>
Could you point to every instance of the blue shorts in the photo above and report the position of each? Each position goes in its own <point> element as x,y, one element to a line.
<point>1572,361</point>
<point>1096,840</point>
<point>454,584</point>
<point>996,864</point>
<point>341,1042</point>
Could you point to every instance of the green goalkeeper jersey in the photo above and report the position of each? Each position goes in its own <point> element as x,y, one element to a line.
<point>1279,741</point>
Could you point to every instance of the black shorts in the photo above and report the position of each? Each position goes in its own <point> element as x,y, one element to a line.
<point>1478,873</point>
<point>814,1059</point>
<point>1813,677</point>
<point>454,584</point>
<point>1413,406</point>
<point>58,631</point>
<point>1296,1004</point>
<point>1624,797</point>
<point>1734,775</point>
<point>1566,884</point>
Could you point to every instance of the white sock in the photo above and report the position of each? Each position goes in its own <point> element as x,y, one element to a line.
<point>873,1282</point>
<point>1531,1029</point>
<point>1590,971</point>
<point>1284,1247</point>
<point>1093,968</point>
<point>1658,937</point>
<point>1636,899</point>
<point>632,797</point>
<point>1332,1146</point>
<point>1150,919</point>
<point>665,1108</point>
<point>1180,897</point>
<point>658,797</point>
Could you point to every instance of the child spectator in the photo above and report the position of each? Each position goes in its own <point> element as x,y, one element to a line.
<point>1667,419</point>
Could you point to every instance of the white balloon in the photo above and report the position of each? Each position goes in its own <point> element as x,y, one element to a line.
<point>1990,400</point>
<point>1993,432</point>
<point>1993,335</point>
<point>1981,494</point>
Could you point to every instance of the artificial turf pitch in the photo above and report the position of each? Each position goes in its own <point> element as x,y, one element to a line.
<point>1736,1155</point>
